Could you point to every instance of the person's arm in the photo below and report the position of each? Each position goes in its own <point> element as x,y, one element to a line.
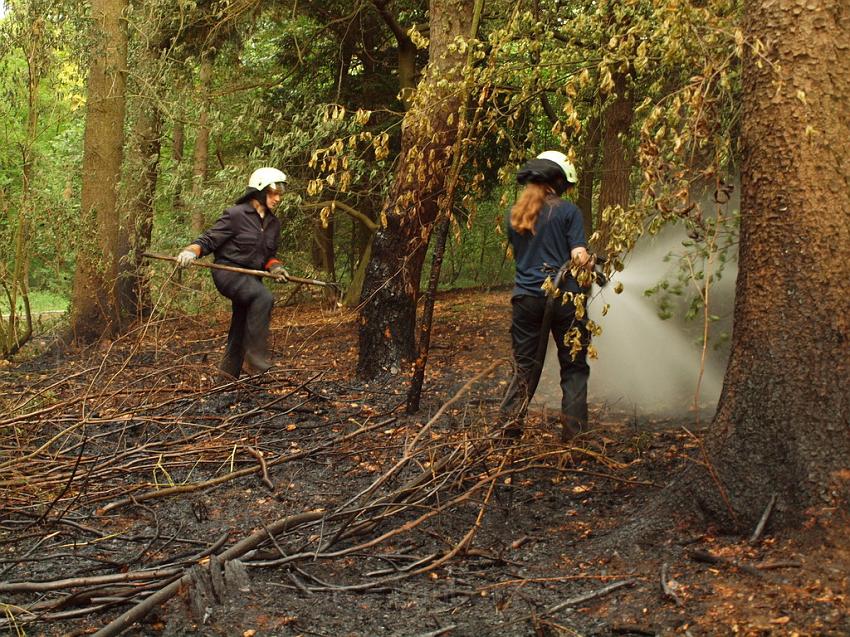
<point>222,230</point>
<point>273,264</point>
<point>188,254</point>
<point>578,243</point>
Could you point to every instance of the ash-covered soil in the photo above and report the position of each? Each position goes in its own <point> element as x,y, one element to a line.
<point>133,460</point>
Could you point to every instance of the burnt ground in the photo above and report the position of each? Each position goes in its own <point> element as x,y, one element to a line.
<point>132,457</point>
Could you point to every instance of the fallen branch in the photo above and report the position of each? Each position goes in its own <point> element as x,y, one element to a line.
<point>125,620</point>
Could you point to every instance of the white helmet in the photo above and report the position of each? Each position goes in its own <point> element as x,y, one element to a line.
<point>263,178</point>
<point>563,163</point>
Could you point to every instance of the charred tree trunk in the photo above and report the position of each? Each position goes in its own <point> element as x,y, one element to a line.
<point>391,288</point>
<point>783,422</point>
<point>94,306</point>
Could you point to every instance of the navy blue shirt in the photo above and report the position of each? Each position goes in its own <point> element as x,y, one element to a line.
<point>558,230</point>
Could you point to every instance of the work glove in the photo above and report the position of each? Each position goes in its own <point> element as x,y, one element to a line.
<point>185,258</point>
<point>280,272</point>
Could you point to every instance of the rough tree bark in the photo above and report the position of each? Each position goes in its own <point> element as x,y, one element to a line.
<point>134,294</point>
<point>588,175</point>
<point>614,187</point>
<point>783,423</point>
<point>94,305</point>
<point>391,288</point>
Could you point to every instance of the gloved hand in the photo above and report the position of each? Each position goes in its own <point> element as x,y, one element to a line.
<point>185,258</point>
<point>279,271</point>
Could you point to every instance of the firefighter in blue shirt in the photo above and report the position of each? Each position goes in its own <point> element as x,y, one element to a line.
<point>546,233</point>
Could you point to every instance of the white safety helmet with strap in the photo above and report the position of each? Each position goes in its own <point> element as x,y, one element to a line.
<point>271,178</point>
<point>563,163</point>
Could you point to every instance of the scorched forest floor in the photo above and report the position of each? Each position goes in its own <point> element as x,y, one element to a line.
<point>305,502</point>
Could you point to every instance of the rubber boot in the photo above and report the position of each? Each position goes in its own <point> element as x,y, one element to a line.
<point>571,427</point>
<point>256,363</point>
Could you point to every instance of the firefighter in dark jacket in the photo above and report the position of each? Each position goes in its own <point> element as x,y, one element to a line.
<point>247,236</point>
<point>546,233</point>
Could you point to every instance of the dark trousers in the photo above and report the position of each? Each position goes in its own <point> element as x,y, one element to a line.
<point>526,326</point>
<point>249,323</point>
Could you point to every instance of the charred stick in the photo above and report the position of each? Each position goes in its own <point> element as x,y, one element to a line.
<point>710,558</point>
<point>265,470</point>
<point>55,585</point>
<point>439,632</point>
<point>666,589</point>
<point>119,624</point>
<point>766,566</point>
<point>763,520</point>
<point>586,597</point>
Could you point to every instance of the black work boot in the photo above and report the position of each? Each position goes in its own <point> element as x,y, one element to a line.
<point>230,366</point>
<point>257,363</point>
<point>571,427</point>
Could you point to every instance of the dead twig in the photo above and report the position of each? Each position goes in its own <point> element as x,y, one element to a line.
<point>763,520</point>
<point>710,558</point>
<point>586,597</point>
<point>265,470</point>
<point>667,589</point>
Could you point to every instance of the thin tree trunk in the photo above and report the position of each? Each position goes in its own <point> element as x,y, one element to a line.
<point>323,247</point>
<point>406,50</point>
<point>588,174</point>
<point>414,393</point>
<point>94,305</point>
<point>178,145</point>
<point>144,168</point>
<point>202,145</point>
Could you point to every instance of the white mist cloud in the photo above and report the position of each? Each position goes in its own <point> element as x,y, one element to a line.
<point>648,366</point>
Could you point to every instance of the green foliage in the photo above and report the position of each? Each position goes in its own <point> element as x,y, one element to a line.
<point>313,90</point>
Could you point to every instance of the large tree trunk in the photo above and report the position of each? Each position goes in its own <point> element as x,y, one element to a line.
<point>783,422</point>
<point>94,303</point>
<point>391,289</point>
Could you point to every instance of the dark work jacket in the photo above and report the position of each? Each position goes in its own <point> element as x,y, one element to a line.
<point>240,237</point>
<point>559,228</point>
